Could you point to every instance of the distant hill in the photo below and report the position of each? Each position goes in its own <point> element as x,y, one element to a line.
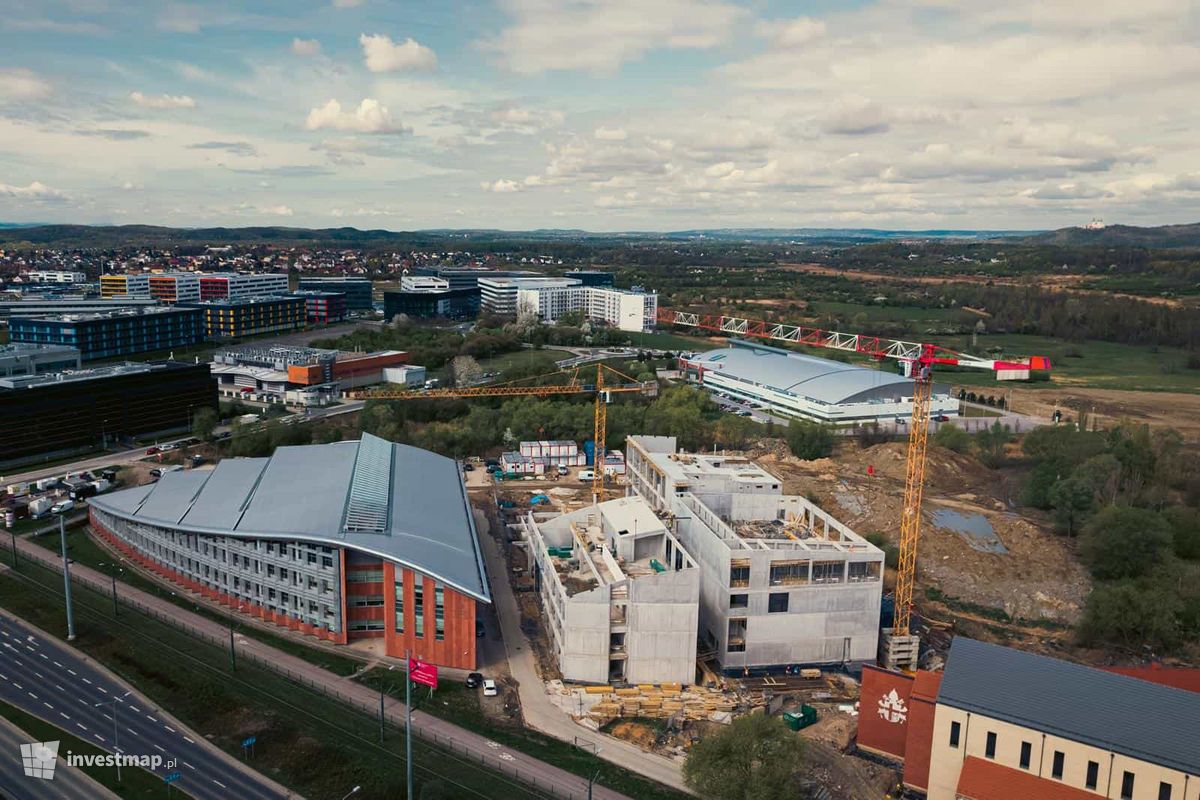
<point>99,236</point>
<point>1123,236</point>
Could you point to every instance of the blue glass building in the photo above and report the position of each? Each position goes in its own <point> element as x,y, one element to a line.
<point>115,334</point>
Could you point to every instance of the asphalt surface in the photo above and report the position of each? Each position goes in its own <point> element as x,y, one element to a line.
<point>44,677</point>
<point>68,783</point>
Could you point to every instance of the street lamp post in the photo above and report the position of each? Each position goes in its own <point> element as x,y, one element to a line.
<point>116,731</point>
<point>382,684</point>
<point>113,570</point>
<point>595,750</point>
<point>13,531</point>
<point>62,538</point>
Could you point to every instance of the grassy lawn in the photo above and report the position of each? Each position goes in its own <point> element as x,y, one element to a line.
<point>135,782</point>
<point>523,359</point>
<point>454,702</point>
<point>307,741</point>
<point>84,550</point>
<point>885,313</point>
<point>656,340</point>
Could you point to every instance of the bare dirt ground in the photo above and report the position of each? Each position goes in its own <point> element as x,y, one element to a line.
<point>1038,578</point>
<point>1111,406</point>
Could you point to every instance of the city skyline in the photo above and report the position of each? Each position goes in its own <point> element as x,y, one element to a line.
<point>526,114</point>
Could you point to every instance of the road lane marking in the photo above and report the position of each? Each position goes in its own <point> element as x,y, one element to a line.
<point>60,666</point>
<point>19,686</point>
<point>151,717</point>
<point>189,766</point>
<point>81,725</point>
<point>43,655</point>
<point>131,730</point>
<point>64,716</point>
<point>218,783</point>
<point>98,736</point>
<point>85,680</point>
<point>101,688</point>
<point>47,705</point>
<point>159,749</point>
<point>168,727</point>
<point>189,741</point>
<point>73,672</point>
<point>134,709</point>
<point>31,694</point>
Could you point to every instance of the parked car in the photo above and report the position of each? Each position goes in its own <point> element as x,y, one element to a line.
<point>166,448</point>
<point>743,413</point>
<point>562,470</point>
<point>62,506</point>
<point>941,418</point>
<point>489,688</point>
<point>468,468</point>
<point>474,680</point>
<point>152,451</point>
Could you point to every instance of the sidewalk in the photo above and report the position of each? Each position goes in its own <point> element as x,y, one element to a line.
<point>524,768</point>
<point>539,712</point>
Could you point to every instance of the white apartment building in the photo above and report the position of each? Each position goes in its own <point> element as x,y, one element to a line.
<point>500,295</point>
<point>238,285</point>
<point>781,581</point>
<point>54,276</point>
<point>619,593</point>
<point>553,298</point>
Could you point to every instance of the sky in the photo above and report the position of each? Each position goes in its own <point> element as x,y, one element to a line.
<point>600,114</point>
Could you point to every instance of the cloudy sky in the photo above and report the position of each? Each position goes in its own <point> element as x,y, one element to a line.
<point>600,114</point>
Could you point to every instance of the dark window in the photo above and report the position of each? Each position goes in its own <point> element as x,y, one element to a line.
<point>1164,791</point>
<point>955,730</point>
<point>1056,771</point>
<point>739,600</point>
<point>1093,775</point>
<point>777,602</point>
<point>1127,786</point>
<point>990,750</point>
<point>1026,754</point>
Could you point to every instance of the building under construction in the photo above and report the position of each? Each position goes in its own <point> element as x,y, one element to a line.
<point>781,581</point>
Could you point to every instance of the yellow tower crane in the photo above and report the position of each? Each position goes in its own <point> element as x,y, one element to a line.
<point>572,385</point>
<point>900,646</point>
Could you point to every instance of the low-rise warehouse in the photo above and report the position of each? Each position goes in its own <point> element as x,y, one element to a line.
<point>344,541</point>
<point>800,385</point>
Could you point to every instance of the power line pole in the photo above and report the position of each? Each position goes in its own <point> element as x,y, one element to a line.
<point>62,537</point>
<point>408,721</point>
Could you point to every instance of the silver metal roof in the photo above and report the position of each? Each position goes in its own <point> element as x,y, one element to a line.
<point>805,376</point>
<point>1131,716</point>
<point>390,500</point>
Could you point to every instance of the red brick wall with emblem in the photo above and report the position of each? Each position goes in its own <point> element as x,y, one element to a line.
<point>883,711</point>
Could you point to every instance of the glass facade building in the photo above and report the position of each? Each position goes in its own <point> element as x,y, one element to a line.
<point>114,334</point>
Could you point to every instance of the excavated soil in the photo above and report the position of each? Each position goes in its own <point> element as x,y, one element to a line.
<point>1038,576</point>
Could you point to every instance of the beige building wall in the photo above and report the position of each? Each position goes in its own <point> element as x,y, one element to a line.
<point>945,762</point>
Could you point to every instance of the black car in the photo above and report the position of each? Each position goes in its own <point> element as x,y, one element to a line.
<point>474,680</point>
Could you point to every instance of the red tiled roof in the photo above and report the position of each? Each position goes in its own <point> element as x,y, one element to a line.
<point>1186,678</point>
<point>986,780</point>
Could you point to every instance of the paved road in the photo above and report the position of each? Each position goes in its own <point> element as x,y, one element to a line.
<point>476,748</point>
<point>68,783</point>
<point>46,677</point>
<point>92,462</point>
<point>539,712</point>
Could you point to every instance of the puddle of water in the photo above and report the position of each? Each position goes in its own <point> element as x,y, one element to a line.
<point>975,528</point>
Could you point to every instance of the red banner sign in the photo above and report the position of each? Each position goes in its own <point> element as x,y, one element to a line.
<point>423,672</point>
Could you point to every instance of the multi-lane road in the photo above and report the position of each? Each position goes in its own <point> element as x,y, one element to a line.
<point>44,677</point>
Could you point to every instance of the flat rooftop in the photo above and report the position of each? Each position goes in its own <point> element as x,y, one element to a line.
<point>93,374</point>
<point>122,313</point>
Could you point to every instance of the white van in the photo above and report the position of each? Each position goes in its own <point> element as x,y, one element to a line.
<point>62,507</point>
<point>586,474</point>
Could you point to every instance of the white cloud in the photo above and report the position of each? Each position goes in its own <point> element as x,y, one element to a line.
<point>162,100</point>
<point>180,18</point>
<point>36,191</point>
<point>611,134</point>
<point>381,54</point>
<point>792,32</point>
<point>369,117</point>
<point>500,186</point>
<point>306,47</point>
<point>856,117</point>
<point>601,35</point>
<point>276,211</point>
<point>22,84</point>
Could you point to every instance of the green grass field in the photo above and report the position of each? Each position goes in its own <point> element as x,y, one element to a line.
<point>523,360</point>
<point>664,340</point>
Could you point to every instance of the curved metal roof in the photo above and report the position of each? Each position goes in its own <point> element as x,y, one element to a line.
<point>390,500</point>
<point>819,379</point>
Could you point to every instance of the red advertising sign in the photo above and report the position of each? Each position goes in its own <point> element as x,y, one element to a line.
<point>423,672</point>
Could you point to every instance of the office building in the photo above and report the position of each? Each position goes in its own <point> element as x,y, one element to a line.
<point>344,541</point>
<point>21,359</point>
<point>237,285</point>
<point>781,581</point>
<point>253,316</point>
<point>125,286</point>
<point>324,308</point>
<point>269,373</point>
<point>499,295</point>
<point>998,724</point>
<point>43,306</point>
<point>591,277</point>
<point>54,276</point>
<point>799,385</point>
<point>469,277</point>
<point>114,334</point>
<point>356,290</point>
<point>42,415</point>
<point>550,299</point>
<point>620,594</point>
<point>175,287</point>
<point>430,303</point>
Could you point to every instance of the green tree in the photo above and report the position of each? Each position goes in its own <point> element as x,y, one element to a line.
<point>1121,542</point>
<point>1103,474</point>
<point>1185,531</point>
<point>204,422</point>
<point>755,758</point>
<point>1132,614</point>
<point>1073,499</point>
<point>1036,491</point>
<point>991,443</point>
<point>953,438</point>
<point>809,441</point>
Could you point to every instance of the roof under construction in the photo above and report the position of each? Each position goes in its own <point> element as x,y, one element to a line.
<point>390,500</point>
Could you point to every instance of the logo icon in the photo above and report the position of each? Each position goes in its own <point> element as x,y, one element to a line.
<point>39,759</point>
<point>893,708</point>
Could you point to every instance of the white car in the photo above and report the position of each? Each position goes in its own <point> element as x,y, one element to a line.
<point>489,688</point>
<point>166,448</point>
<point>62,507</point>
